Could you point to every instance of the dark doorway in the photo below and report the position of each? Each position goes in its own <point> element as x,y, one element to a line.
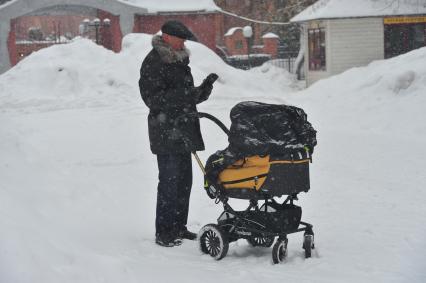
<point>402,38</point>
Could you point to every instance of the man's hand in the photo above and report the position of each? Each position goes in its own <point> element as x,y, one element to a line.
<point>202,92</point>
<point>207,85</point>
<point>210,79</point>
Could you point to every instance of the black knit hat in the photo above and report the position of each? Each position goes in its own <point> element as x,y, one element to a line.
<point>176,28</point>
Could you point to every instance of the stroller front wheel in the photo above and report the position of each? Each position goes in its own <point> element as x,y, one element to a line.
<point>279,250</point>
<point>213,241</point>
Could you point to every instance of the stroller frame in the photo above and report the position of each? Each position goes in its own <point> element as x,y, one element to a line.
<point>234,225</point>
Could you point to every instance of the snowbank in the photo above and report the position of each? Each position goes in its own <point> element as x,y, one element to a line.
<point>391,93</point>
<point>82,74</point>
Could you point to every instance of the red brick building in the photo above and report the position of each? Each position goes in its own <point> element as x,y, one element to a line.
<point>207,26</point>
<point>266,11</point>
<point>44,28</point>
<point>52,25</point>
<point>236,44</point>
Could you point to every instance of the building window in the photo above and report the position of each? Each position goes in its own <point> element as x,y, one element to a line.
<point>239,44</point>
<point>402,38</point>
<point>316,42</point>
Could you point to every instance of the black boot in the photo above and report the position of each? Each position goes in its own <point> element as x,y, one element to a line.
<point>168,241</point>
<point>185,234</point>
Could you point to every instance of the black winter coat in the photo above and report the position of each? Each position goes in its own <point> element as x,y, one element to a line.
<point>167,88</point>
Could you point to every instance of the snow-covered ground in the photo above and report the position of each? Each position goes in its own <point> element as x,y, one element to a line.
<point>78,182</point>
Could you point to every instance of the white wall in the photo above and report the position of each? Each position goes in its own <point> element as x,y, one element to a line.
<point>355,42</point>
<point>351,42</point>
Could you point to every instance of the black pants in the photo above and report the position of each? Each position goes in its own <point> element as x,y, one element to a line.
<point>173,192</point>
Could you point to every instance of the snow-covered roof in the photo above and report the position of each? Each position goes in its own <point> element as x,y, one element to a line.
<point>6,2</point>
<point>231,31</point>
<point>270,35</point>
<point>155,6</point>
<point>329,9</point>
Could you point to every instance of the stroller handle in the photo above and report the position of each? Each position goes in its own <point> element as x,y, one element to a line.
<point>215,120</point>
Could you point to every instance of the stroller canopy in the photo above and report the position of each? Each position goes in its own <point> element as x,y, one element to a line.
<point>259,128</point>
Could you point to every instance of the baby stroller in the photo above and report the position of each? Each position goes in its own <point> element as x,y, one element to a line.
<point>270,148</point>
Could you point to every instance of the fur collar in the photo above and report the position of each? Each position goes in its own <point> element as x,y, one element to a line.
<point>167,54</point>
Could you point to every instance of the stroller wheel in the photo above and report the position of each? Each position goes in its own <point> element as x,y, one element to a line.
<point>261,241</point>
<point>308,245</point>
<point>279,251</point>
<point>213,241</point>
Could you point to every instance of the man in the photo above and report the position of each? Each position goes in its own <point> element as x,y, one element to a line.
<point>167,88</point>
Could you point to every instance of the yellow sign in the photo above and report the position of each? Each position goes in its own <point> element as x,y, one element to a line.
<point>404,20</point>
<point>316,24</point>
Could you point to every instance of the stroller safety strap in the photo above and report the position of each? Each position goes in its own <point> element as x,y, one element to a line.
<point>245,179</point>
<point>290,161</point>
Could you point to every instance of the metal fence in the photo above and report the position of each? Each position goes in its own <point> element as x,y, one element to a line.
<point>285,60</point>
<point>247,62</point>
<point>284,63</point>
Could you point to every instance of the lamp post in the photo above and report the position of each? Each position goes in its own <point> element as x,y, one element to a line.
<point>97,24</point>
<point>248,33</point>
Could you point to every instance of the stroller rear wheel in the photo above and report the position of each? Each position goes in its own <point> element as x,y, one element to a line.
<point>279,251</point>
<point>213,241</point>
<point>308,245</point>
<point>261,241</point>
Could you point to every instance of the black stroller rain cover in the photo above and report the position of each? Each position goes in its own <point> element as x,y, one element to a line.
<point>259,128</point>
<point>263,129</point>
